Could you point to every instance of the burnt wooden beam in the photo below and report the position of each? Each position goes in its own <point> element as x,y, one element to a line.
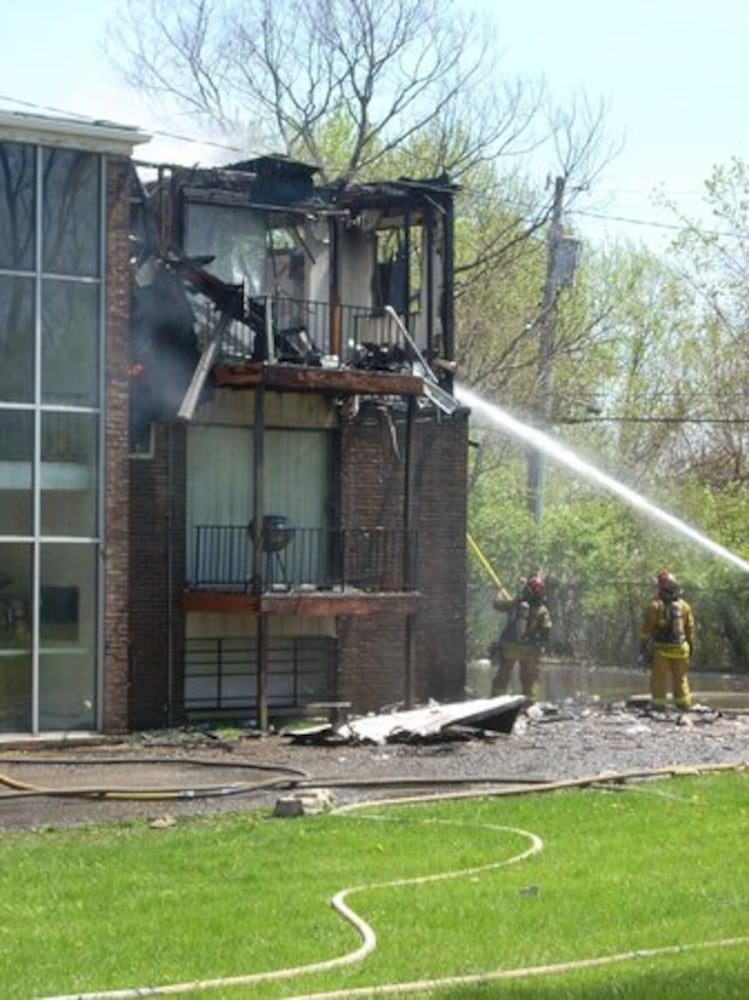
<point>303,378</point>
<point>234,602</point>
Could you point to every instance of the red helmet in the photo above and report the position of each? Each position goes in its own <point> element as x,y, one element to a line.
<point>536,585</point>
<point>667,582</point>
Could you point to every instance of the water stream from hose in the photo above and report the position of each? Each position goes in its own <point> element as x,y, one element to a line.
<point>563,455</point>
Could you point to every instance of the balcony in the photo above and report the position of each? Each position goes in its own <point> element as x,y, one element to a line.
<point>300,570</point>
<point>303,345</point>
<point>307,332</point>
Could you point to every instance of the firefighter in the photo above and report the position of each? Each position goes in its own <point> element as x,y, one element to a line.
<point>667,643</point>
<point>523,639</point>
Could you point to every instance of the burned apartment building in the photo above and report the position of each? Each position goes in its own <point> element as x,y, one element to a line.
<point>233,471</point>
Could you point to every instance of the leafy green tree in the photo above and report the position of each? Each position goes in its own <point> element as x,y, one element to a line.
<point>714,261</point>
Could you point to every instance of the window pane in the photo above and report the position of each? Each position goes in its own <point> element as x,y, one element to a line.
<point>67,637</point>
<point>16,455</point>
<point>69,474</point>
<point>70,343</point>
<point>70,213</point>
<point>15,638</point>
<point>234,239</point>
<point>17,195</point>
<point>16,340</point>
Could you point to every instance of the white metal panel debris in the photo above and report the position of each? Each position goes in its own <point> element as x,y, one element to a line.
<point>496,714</point>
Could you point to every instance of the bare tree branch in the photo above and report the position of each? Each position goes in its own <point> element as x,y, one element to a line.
<point>395,69</point>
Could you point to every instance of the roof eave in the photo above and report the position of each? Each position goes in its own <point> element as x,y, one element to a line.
<point>96,136</point>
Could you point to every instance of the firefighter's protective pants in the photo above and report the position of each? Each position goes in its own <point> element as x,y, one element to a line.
<point>669,672</point>
<point>527,658</point>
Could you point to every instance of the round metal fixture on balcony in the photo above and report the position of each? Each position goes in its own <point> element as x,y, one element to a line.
<point>277,532</point>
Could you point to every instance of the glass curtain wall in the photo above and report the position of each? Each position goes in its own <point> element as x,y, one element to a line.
<point>51,318</point>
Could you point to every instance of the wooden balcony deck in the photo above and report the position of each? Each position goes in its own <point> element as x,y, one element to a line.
<point>301,604</point>
<point>301,378</point>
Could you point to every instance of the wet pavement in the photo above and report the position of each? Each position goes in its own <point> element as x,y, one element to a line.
<point>164,776</point>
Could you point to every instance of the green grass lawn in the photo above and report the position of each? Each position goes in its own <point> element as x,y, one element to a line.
<point>654,866</point>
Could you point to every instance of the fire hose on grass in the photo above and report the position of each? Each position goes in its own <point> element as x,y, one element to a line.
<point>476,786</point>
<point>368,936</point>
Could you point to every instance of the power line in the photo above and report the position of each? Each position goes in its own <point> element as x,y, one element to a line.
<point>621,218</point>
<point>650,191</point>
<point>651,222</point>
<point>674,227</point>
<point>651,420</point>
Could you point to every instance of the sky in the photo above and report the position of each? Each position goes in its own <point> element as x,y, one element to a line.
<point>671,75</point>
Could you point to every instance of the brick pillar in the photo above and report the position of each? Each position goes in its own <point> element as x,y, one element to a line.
<point>157,580</point>
<point>114,564</point>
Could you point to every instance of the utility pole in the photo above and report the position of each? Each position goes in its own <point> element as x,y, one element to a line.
<point>556,275</point>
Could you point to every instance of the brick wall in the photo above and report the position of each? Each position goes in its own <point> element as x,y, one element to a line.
<point>440,486</point>
<point>372,661</point>
<point>157,576</point>
<point>115,547</point>
<point>373,649</point>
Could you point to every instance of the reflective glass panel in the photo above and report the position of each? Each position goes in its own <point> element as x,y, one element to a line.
<point>15,637</point>
<point>70,343</point>
<point>16,457</point>
<point>69,474</point>
<point>16,339</point>
<point>70,212</point>
<point>67,637</point>
<point>17,196</point>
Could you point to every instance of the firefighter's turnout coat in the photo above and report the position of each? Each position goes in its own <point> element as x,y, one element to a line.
<point>667,640</point>
<point>521,641</point>
<point>668,628</point>
<point>527,628</point>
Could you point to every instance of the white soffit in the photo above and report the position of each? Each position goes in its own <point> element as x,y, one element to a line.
<point>71,133</point>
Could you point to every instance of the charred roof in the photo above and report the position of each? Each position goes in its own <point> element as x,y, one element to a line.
<point>266,180</point>
<point>279,183</point>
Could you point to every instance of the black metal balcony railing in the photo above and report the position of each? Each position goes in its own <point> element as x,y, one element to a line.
<point>369,559</point>
<point>305,331</point>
